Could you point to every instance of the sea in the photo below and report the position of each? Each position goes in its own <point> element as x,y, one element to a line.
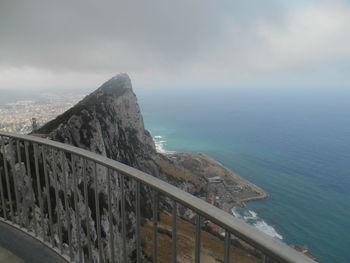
<point>292,142</point>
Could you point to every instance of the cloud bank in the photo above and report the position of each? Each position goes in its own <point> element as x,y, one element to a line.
<point>73,44</point>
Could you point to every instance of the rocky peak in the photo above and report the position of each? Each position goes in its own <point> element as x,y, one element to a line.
<point>117,85</point>
<point>114,87</point>
<point>108,122</point>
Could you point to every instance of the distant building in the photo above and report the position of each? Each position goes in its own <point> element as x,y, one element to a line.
<point>305,251</point>
<point>214,227</point>
<point>215,179</point>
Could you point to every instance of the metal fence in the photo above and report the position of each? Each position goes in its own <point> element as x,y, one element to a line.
<point>53,192</point>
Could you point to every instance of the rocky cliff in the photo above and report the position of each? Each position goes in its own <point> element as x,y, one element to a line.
<point>109,122</point>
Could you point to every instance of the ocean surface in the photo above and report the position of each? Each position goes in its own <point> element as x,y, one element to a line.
<point>295,144</point>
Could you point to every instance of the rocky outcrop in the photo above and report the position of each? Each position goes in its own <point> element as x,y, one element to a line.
<point>107,122</point>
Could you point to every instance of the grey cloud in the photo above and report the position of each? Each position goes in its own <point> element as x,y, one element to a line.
<point>163,41</point>
<point>112,35</point>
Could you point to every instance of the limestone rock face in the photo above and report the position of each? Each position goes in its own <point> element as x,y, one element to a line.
<point>108,122</point>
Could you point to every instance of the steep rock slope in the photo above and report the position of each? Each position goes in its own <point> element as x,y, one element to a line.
<point>109,122</point>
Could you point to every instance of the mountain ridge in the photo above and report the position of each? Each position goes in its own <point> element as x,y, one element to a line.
<point>109,122</point>
<point>110,117</point>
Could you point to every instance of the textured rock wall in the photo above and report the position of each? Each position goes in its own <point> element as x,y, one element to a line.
<point>107,122</point>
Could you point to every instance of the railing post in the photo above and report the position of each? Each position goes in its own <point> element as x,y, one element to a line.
<point>2,191</point>
<point>198,240</point>
<point>87,219</point>
<point>15,182</point>
<point>68,219</point>
<point>174,233</point>
<point>40,199</point>
<point>32,194</point>
<point>2,197</point>
<point>138,223</point>
<point>122,182</point>
<point>57,208</point>
<point>98,215</point>
<point>48,197</point>
<point>110,216</point>
<point>25,220</point>
<point>155,225</point>
<point>76,208</point>
<point>227,247</point>
<point>9,194</point>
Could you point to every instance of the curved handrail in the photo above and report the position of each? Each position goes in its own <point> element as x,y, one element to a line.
<point>272,248</point>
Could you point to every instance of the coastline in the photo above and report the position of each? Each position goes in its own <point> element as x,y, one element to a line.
<point>225,189</point>
<point>221,187</point>
<point>216,184</point>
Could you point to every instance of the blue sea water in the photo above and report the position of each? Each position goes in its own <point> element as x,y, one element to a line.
<point>295,144</point>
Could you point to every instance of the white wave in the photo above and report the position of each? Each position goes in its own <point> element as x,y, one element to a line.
<point>267,229</point>
<point>253,219</point>
<point>235,213</point>
<point>160,145</point>
<point>250,215</point>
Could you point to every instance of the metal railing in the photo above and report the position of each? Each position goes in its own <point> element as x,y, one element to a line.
<point>74,201</point>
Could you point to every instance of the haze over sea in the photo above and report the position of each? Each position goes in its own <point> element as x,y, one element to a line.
<point>295,144</point>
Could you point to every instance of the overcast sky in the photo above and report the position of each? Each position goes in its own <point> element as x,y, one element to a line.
<point>80,43</point>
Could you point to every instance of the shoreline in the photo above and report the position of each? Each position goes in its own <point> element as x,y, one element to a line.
<point>257,192</point>
<point>224,188</point>
<point>241,203</point>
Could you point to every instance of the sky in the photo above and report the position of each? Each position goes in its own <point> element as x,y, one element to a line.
<point>165,44</point>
